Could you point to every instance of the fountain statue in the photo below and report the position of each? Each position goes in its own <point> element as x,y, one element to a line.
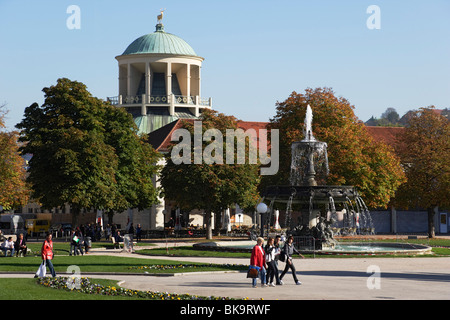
<point>308,193</point>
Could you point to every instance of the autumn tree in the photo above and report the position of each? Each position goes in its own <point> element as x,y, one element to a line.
<point>209,185</point>
<point>355,158</point>
<point>85,152</point>
<point>13,188</point>
<point>424,149</point>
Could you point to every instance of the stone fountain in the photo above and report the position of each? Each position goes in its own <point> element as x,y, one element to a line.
<point>320,203</point>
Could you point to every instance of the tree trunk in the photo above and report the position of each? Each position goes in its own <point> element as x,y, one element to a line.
<point>110,217</point>
<point>75,214</point>
<point>431,228</point>
<point>218,222</point>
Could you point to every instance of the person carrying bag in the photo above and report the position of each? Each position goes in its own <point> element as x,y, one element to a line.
<point>47,254</point>
<point>258,260</point>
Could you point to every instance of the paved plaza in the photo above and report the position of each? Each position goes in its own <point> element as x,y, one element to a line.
<point>367,278</point>
<point>330,278</point>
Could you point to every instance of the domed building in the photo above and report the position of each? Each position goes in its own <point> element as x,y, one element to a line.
<point>159,83</point>
<point>160,80</point>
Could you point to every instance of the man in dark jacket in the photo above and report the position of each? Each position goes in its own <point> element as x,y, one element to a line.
<point>20,245</point>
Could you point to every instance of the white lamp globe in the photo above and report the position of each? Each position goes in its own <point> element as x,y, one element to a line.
<point>261,208</point>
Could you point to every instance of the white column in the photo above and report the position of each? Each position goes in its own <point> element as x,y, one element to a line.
<point>172,104</point>
<point>143,106</point>
<point>188,80</point>
<point>148,80</point>
<point>169,79</point>
<point>128,79</point>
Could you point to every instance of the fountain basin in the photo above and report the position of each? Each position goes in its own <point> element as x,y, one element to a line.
<point>303,194</point>
<point>377,248</point>
<point>353,248</point>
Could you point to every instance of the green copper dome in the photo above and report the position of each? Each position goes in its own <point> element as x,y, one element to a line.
<point>160,42</point>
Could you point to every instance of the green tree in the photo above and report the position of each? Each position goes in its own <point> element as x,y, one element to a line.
<point>391,116</point>
<point>212,187</point>
<point>424,149</point>
<point>80,150</point>
<point>136,161</point>
<point>354,157</point>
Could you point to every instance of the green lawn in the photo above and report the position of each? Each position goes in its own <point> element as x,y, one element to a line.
<point>187,251</point>
<point>88,264</point>
<point>63,247</point>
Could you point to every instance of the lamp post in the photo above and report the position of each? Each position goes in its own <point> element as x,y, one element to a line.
<point>261,208</point>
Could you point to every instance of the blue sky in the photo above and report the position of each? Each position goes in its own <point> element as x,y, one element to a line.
<point>256,52</point>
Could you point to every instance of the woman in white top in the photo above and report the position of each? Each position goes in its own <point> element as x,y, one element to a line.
<point>272,270</point>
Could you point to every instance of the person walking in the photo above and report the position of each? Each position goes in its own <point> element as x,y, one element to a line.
<point>289,249</point>
<point>277,252</point>
<point>138,232</point>
<point>272,270</point>
<point>47,253</point>
<point>257,260</point>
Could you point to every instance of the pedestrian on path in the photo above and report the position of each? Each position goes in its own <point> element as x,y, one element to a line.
<point>277,253</point>
<point>272,269</point>
<point>257,260</point>
<point>289,249</point>
<point>47,253</point>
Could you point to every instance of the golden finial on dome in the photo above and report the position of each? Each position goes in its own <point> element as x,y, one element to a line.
<point>160,17</point>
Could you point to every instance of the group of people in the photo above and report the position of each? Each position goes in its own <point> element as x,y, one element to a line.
<point>266,259</point>
<point>19,246</point>
<point>95,232</point>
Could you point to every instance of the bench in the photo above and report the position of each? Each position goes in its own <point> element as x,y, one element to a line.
<point>116,244</point>
<point>13,236</point>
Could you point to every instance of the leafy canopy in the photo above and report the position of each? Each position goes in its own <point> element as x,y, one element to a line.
<point>354,157</point>
<point>424,149</point>
<point>85,152</point>
<point>211,187</point>
<point>13,188</point>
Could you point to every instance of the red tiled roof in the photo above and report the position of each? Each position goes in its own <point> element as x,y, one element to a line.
<point>388,135</point>
<point>244,125</point>
<point>161,139</point>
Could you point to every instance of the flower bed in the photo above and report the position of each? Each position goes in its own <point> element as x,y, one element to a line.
<point>85,286</point>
